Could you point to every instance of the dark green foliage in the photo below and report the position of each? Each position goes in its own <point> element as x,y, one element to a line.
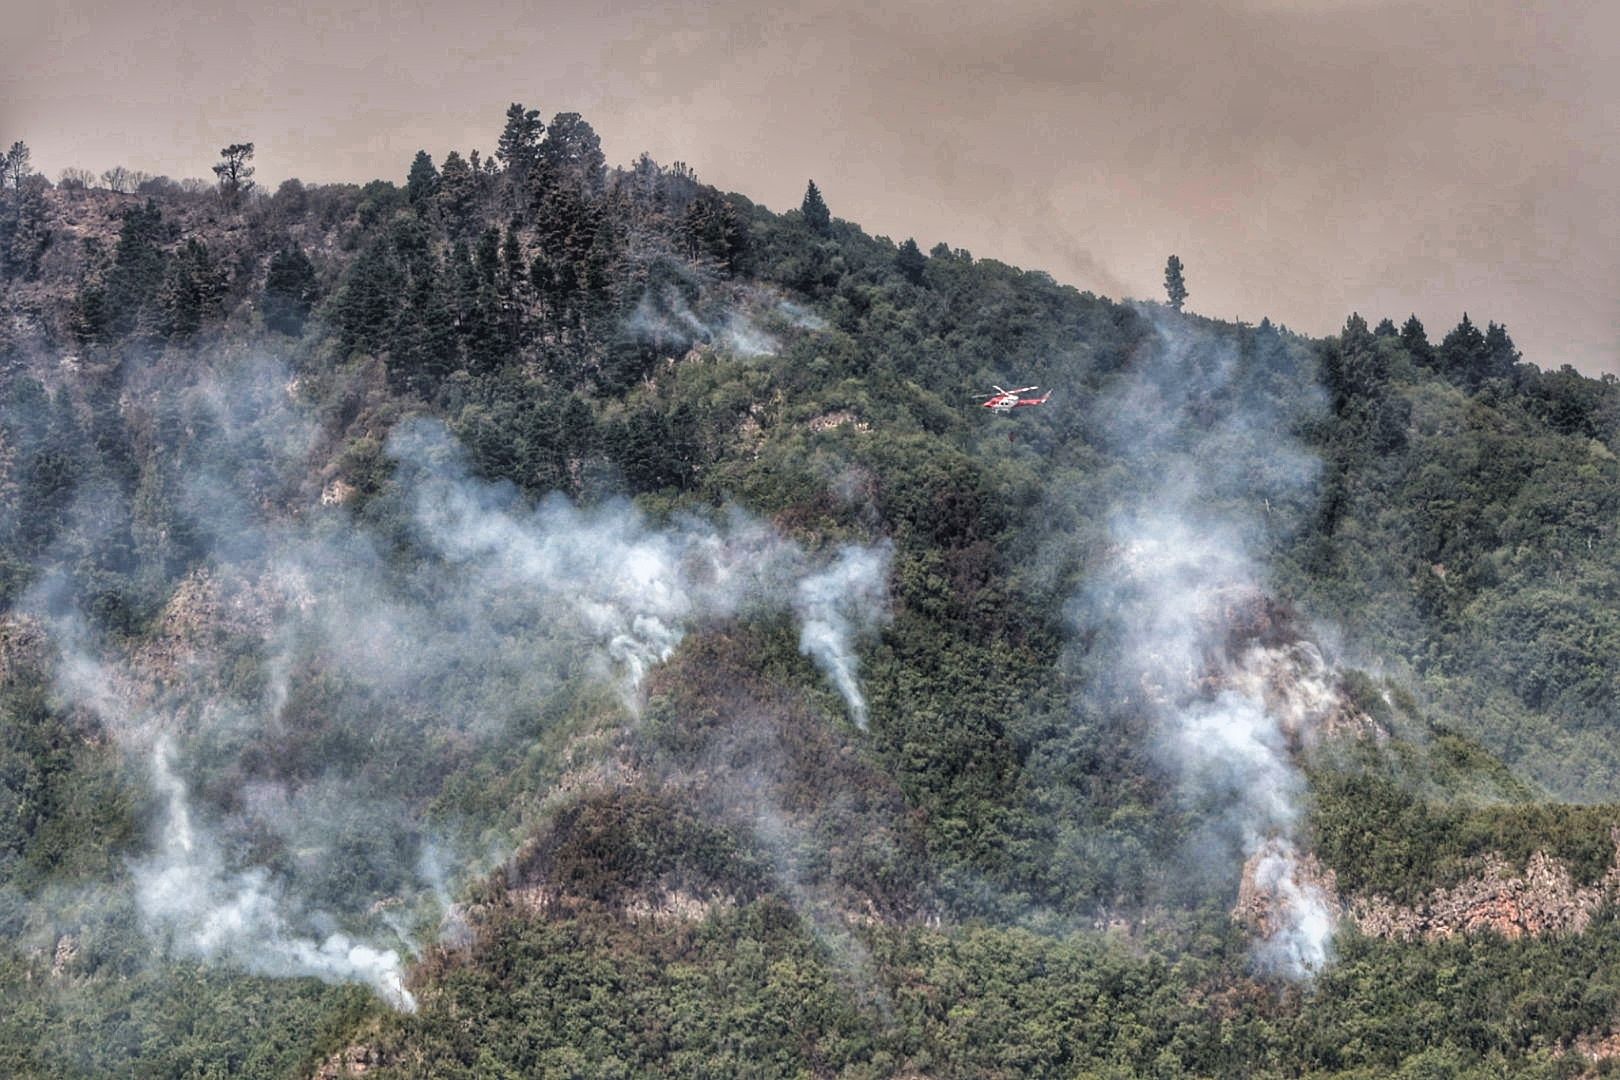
<point>910,261</point>
<point>574,273</point>
<point>125,300</point>
<point>518,148</point>
<point>526,432</point>
<point>25,234</point>
<point>234,172</point>
<point>290,291</point>
<point>571,156</point>
<point>1175,283</point>
<point>1464,357</point>
<point>14,167</point>
<point>714,230</point>
<point>814,210</point>
<point>379,200</point>
<point>457,195</point>
<point>366,304</point>
<point>193,291</point>
<point>656,452</point>
<point>739,882</point>
<point>1416,342</point>
<point>423,182</point>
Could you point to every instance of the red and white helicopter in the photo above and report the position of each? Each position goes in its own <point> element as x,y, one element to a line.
<point>1007,400</point>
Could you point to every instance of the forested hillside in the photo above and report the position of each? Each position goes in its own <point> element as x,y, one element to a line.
<point>545,619</point>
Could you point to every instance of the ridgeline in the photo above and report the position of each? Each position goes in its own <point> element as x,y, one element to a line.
<point>545,619</point>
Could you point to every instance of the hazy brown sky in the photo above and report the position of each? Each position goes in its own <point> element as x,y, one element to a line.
<point>1305,158</point>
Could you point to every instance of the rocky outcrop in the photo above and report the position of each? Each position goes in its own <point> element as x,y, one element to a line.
<point>1265,655</point>
<point>1539,900</point>
<point>67,951</point>
<point>1291,906</point>
<point>23,645</point>
<point>355,1060</point>
<point>837,419</point>
<point>1261,902</point>
<point>1543,899</point>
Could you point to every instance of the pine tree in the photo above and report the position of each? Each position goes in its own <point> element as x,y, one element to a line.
<point>14,165</point>
<point>193,290</point>
<point>370,295</point>
<point>127,295</point>
<point>234,172</point>
<point>457,195</point>
<point>572,154</point>
<point>25,231</point>
<point>289,291</point>
<point>713,230</point>
<point>422,349</point>
<point>489,255</point>
<point>814,209</point>
<point>1416,342</point>
<point>1175,284</point>
<point>518,148</point>
<point>477,314</point>
<point>519,142</point>
<point>423,182</point>
<point>911,262</point>
<point>512,263</point>
<point>1354,367</point>
<point>1463,356</point>
<point>1501,357</point>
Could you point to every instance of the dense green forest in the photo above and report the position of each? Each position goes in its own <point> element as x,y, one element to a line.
<point>541,618</point>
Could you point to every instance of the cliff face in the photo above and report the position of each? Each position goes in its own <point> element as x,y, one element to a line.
<point>1541,899</point>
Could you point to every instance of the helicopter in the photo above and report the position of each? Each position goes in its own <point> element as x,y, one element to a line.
<point>1007,400</point>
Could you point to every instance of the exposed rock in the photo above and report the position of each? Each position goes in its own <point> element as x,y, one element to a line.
<point>837,419</point>
<point>23,645</point>
<point>1541,901</point>
<point>750,436</point>
<point>67,950</point>
<point>1302,692</point>
<point>1258,905</point>
<point>1291,904</point>
<point>675,906</point>
<point>355,1060</point>
<point>1598,1048</point>
<point>338,493</point>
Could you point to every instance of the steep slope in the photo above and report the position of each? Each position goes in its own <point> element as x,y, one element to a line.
<point>1210,719</point>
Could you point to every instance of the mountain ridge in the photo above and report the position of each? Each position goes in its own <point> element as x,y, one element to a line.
<point>325,488</point>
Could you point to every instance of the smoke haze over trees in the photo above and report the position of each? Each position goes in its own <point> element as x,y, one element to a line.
<point>544,617</point>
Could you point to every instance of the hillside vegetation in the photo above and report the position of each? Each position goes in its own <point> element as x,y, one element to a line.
<point>545,619</point>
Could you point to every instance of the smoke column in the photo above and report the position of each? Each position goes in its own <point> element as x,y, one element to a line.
<point>266,858</point>
<point>837,604</point>
<point>1210,451</point>
<point>184,889</point>
<point>634,589</point>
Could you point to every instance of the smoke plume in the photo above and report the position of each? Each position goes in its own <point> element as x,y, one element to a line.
<point>665,317</point>
<point>837,604</point>
<point>311,683</point>
<point>1181,604</point>
<point>634,589</point>
<point>211,912</point>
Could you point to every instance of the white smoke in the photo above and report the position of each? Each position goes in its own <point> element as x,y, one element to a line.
<point>419,665</point>
<point>633,589</point>
<point>185,891</point>
<point>837,604</point>
<point>664,318</point>
<point>1300,916</point>
<point>1229,712</point>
